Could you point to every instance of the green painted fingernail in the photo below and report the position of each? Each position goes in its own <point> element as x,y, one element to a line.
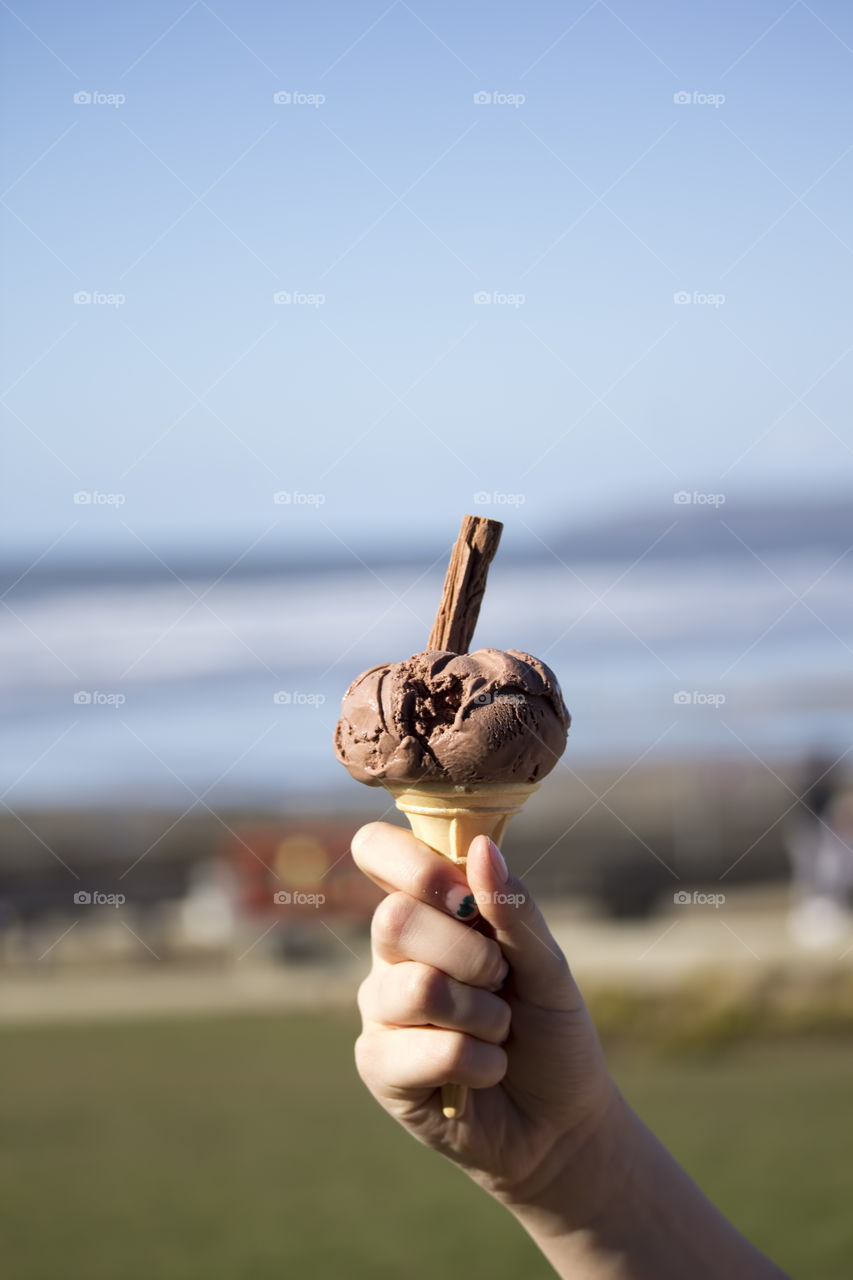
<point>461,903</point>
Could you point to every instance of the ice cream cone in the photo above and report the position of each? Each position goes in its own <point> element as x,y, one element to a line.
<point>447,818</point>
<point>450,712</point>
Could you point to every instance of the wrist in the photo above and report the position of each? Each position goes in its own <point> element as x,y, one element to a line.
<point>610,1202</point>
<point>585,1171</point>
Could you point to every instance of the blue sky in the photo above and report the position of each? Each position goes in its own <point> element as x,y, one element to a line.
<point>382,393</point>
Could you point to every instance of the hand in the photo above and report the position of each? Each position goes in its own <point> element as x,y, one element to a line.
<point>488,1002</point>
<point>486,999</point>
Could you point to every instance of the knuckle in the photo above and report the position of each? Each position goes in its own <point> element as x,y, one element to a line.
<point>423,883</point>
<point>363,1055</point>
<point>364,995</point>
<point>391,918</point>
<point>471,1061</point>
<point>494,965</point>
<point>492,1065</point>
<point>449,1053</point>
<point>503,1019</point>
<point>423,991</point>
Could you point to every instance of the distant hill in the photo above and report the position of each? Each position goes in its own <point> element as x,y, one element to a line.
<point>714,531</point>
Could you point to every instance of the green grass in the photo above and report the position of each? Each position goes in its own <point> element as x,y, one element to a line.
<point>232,1147</point>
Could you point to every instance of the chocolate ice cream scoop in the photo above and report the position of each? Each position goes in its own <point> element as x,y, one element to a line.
<point>471,718</point>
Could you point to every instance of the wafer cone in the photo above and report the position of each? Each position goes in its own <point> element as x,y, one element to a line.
<point>447,818</point>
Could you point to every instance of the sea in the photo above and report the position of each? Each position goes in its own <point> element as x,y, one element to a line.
<point>179,690</point>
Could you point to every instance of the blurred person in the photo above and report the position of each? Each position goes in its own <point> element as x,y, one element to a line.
<point>818,843</point>
<point>468,986</point>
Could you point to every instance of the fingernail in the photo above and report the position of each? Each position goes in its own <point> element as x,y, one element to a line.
<point>461,902</point>
<point>498,865</point>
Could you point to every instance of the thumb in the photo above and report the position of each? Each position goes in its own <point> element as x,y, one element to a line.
<point>539,970</point>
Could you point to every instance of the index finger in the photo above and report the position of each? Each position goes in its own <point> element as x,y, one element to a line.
<point>396,860</point>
